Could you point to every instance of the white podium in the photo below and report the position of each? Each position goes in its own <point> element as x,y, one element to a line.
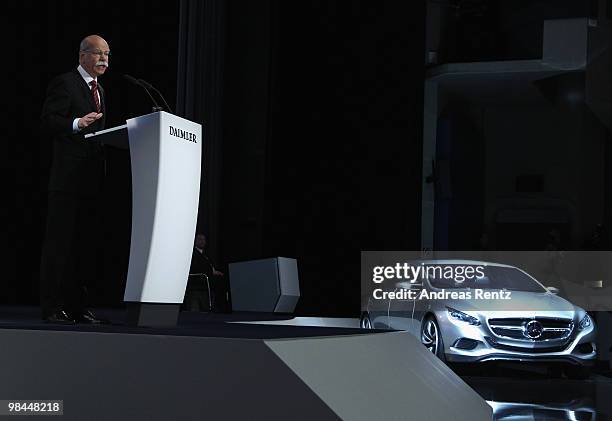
<point>165,155</point>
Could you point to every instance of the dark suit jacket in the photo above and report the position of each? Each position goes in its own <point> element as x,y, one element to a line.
<point>78,164</point>
<point>200,263</point>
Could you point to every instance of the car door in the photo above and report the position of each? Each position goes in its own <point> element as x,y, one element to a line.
<point>401,311</point>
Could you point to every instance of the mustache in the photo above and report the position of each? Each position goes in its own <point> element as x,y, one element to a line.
<point>102,63</point>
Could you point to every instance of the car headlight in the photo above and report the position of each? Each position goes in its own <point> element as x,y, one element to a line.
<point>585,322</point>
<point>459,315</point>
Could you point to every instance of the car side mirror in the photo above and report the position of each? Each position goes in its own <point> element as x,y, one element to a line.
<point>553,290</point>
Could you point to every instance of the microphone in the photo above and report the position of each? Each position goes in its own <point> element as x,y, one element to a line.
<point>136,82</point>
<point>149,86</point>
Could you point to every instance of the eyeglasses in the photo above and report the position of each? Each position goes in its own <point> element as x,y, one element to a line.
<point>98,53</point>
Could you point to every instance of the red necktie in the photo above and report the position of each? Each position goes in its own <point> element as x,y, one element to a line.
<point>94,92</point>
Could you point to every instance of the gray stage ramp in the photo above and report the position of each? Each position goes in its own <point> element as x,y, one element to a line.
<point>388,376</point>
<point>119,376</point>
<point>308,321</point>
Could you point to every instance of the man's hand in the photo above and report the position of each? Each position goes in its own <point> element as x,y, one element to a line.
<point>88,119</point>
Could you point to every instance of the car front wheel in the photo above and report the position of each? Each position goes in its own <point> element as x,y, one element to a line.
<point>432,338</point>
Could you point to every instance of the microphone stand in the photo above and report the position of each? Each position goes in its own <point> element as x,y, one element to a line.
<point>135,81</point>
<point>153,88</point>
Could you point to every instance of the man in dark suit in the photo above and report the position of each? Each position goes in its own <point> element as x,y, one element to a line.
<point>201,264</point>
<point>74,106</point>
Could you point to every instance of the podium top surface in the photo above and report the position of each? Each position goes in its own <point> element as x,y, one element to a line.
<point>115,136</point>
<point>101,132</point>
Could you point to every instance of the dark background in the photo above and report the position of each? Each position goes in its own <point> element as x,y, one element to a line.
<point>313,139</point>
<point>47,41</point>
<point>333,135</point>
<point>335,168</point>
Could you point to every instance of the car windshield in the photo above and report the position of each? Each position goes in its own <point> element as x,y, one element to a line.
<point>495,277</point>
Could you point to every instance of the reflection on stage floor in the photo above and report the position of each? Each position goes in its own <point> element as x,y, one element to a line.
<point>525,392</point>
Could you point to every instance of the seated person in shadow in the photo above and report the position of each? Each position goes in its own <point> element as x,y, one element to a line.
<point>206,289</point>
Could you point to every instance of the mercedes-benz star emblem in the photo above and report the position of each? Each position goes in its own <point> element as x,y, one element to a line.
<point>533,329</point>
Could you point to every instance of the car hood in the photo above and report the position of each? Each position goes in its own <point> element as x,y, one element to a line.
<point>522,304</point>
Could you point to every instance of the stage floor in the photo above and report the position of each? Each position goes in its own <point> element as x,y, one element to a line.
<point>241,344</point>
<point>228,367</point>
<point>213,325</point>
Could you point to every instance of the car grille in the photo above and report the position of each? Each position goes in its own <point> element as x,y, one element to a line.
<point>516,328</point>
<point>543,350</point>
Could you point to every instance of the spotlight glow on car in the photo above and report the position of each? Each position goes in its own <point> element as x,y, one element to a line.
<point>459,315</point>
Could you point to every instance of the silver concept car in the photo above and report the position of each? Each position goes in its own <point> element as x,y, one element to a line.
<point>545,328</point>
